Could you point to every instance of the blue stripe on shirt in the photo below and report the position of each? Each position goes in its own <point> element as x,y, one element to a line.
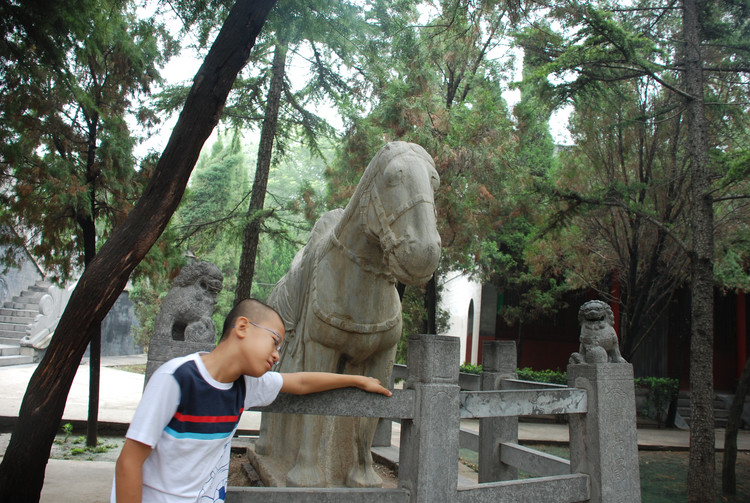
<point>197,436</point>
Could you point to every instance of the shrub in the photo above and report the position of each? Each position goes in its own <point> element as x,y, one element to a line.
<point>545,376</point>
<point>470,368</point>
<point>661,392</point>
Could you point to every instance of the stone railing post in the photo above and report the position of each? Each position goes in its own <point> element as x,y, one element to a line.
<point>604,442</point>
<point>428,457</point>
<point>384,430</point>
<point>498,363</point>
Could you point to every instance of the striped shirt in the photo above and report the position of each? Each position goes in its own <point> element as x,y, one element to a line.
<point>189,419</point>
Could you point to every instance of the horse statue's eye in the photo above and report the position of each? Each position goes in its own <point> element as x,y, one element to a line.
<point>435,181</point>
<point>394,176</point>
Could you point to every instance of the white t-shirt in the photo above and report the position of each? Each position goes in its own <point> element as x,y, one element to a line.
<point>189,419</point>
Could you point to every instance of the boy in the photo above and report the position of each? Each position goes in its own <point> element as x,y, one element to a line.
<point>177,446</point>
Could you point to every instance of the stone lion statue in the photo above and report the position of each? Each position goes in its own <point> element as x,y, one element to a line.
<point>598,340</point>
<point>184,323</point>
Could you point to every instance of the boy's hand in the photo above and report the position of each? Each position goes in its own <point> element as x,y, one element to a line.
<point>373,385</point>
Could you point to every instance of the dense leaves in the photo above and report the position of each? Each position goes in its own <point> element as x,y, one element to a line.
<point>66,149</point>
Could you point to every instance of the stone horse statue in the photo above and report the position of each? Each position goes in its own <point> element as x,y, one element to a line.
<point>342,312</point>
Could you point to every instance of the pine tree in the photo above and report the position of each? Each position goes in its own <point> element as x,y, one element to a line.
<point>23,465</point>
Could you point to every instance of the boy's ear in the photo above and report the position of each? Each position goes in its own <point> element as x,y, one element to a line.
<point>241,326</point>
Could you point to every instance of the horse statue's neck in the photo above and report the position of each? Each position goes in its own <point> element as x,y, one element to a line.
<point>352,240</point>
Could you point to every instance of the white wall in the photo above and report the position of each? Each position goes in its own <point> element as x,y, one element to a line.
<point>456,296</point>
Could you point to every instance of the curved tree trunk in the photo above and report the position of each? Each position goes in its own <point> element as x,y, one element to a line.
<point>254,220</point>
<point>22,468</point>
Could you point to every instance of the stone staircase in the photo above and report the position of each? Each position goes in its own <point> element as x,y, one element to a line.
<point>15,316</point>
<point>721,408</point>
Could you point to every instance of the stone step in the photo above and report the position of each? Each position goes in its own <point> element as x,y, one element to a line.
<point>19,313</point>
<point>23,306</point>
<point>11,337</point>
<point>6,361</point>
<point>28,297</point>
<point>13,326</point>
<point>13,348</point>
<point>40,287</point>
<point>721,412</point>
<point>16,319</point>
<point>9,350</point>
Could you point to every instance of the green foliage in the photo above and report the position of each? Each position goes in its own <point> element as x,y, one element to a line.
<point>470,368</point>
<point>618,202</point>
<point>146,298</point>
<point>661,392</point>
<point>77,446</point>
<point>433,83</point>
<point>546,376</point>
<point>65,146</point>
<point>210,220</point>
<point>67,429</point>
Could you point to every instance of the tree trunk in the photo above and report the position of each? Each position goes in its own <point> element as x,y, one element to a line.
<point>95,351</point>
<point>430,304</point>
<point>728,473</point>
<point>88,228</point>
<point>701,485</point>
<point>22,468</point>
<point>251,235</point>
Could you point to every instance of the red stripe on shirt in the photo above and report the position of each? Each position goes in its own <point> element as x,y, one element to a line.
<point>207,419</point>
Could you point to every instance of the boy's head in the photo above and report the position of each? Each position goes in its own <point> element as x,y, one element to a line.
<point>252,309</point>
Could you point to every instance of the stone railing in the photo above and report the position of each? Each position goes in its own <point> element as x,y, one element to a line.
<point>603,465</point>
<point>51,306</point>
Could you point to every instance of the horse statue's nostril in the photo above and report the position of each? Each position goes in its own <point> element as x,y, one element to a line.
<point>419,258</point>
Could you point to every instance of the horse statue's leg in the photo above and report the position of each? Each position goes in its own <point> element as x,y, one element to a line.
<point>307,471</point>
<point>362,473</point>
<point>262,445</point>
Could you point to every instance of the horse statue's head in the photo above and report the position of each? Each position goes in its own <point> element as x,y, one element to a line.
<point>396,202</point>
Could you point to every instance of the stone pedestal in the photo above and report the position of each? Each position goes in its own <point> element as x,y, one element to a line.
<point>603,442</point>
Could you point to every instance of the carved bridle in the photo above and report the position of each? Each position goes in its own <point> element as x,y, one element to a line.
<point>385,234</point>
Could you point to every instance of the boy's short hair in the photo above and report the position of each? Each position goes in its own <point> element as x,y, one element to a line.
<point>252,309</point>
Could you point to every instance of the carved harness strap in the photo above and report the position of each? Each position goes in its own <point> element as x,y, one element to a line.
<point>388,242</point>
<point>346,324</point>
<point>387,237</point>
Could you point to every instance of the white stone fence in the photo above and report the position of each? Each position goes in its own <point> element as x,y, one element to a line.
<point>599,400</point>
<point>51,306</point>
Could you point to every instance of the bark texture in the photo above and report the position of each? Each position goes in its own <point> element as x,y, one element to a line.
<point>23,466</point>
<point>254,220</point>
<point>701,467</point>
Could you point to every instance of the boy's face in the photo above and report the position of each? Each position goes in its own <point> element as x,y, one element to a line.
<point>261,343</point>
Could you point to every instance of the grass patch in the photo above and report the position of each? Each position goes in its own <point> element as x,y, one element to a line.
<point>66,446</point>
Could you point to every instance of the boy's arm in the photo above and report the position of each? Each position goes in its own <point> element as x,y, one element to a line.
<point>129,471</point>
<point>302,383</point>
